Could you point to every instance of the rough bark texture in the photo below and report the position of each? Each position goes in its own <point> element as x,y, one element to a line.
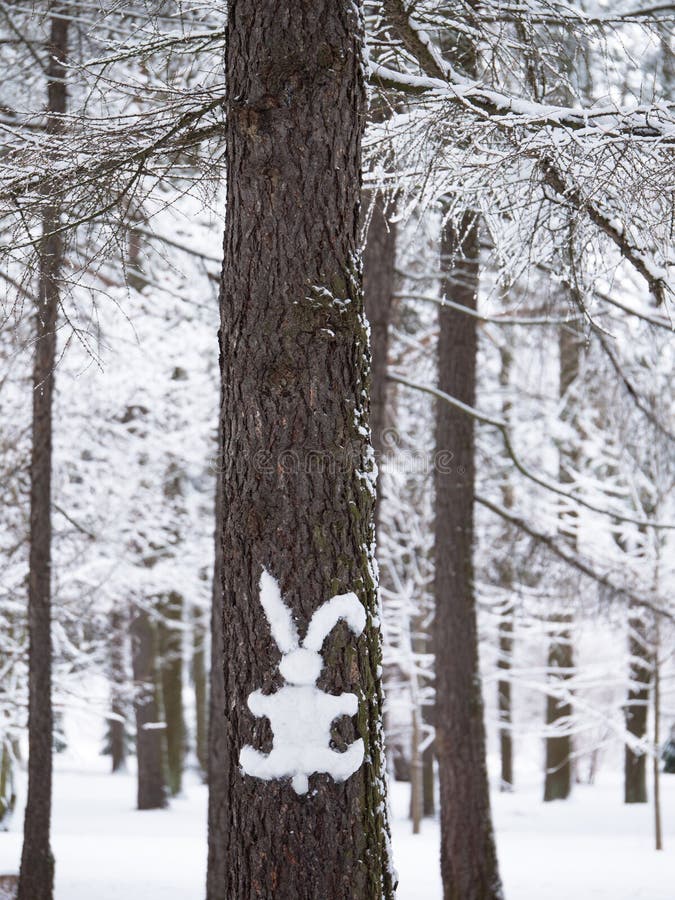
<point>36,879</point>
<point>297,460</point>
<point>468,856</point>
<point>558,764</point>
<point>150,739</point>
<point>119,689</point>
<point>170,636</point>
<point>636,710</point>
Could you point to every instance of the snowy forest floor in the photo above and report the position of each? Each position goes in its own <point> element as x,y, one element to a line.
<point>591,847</point>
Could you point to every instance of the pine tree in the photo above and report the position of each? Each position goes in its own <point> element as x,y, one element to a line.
<point>36,879</point>
<point>468,855</point>
<point>297,461</point>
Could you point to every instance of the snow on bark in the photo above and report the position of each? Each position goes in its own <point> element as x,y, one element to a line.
<point>301,715</point>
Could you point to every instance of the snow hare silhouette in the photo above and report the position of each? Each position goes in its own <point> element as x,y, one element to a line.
<point>300,714</point>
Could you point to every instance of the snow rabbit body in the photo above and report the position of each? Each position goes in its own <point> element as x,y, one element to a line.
<point>301,715</point>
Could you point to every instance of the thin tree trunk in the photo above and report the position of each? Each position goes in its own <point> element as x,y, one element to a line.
<point>297,483</point>
<point>379,266</point>
<point>558,765</point>
<point>504,699</point>
<point>468,854</point>
<point>201,695</point>
<point>636,709</point>
<point>170,636</point>
<point>656,768</point>
<point>7,794</point>
<point>150,727</point>
<point>416,771</point>
<point>506,620</point>
<point>36,879</point>
<point>119,689</point>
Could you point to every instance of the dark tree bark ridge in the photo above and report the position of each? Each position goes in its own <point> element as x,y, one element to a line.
<point>297,461</point>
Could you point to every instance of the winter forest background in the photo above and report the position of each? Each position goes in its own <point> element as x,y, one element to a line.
<point>514,246</point>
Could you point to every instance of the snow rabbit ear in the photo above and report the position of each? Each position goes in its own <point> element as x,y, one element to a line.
<point>278,614</point>
<point>326,617</point>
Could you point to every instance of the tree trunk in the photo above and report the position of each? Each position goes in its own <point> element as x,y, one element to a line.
<point>416,770</point>
<point>506,619</point>
<point>7,794</point>
<point>635,765</point>
<point>379,265</point>
<point>656,770</point>
<point>150,728</point>
<point>170,636</point>
<point>504,700</point>
<point>119,689</point>
<point>36,879</point>
<point>468,856</point>
<point>201,694</point>
<point>297,460</point>
<point>558,766</point>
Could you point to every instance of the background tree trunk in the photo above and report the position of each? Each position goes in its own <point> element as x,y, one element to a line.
<point>119,689</point>
<point>170,639</point>
<point>7,794</point>
<point>468,855</point>
<point>36,879</point>
<point>297,484</point>
<point>379,267</point>
<point>558,764</point>
<point>150,728</point>
<point>506,619</point>
<point>636,710</point>
<point>199,642</point>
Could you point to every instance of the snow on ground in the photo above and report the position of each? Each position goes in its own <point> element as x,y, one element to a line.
<point>591,847</point>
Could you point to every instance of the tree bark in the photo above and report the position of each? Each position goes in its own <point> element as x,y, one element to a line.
<point>468,855</point>
<point>297,460</point>
<point>150,728</point>
<point>171,682</point>
<point>36,879</point>
<point>635,765</point>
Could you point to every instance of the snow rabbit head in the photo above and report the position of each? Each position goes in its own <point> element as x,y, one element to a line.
<point>301,663</point>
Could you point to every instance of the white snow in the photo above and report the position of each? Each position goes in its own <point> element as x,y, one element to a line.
<point>300,714</point>
<point>278,615</point>
<point>342,606</point>
<point>591,847</point>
